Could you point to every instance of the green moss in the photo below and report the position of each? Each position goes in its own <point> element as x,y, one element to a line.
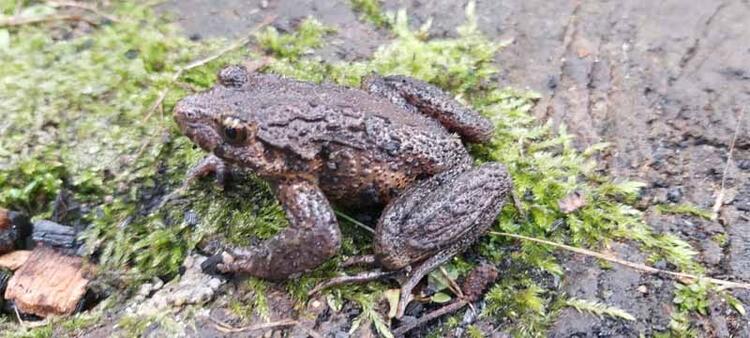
<point>598,309</point>
<point>684,209</point>
<point>474,332</point>
<point>692,297</point>
<point>521,306</point>
<point>371,12</point>
<point>45,331</point>
<point>293,46</point>
<point>254,303</point>
<point>721,239</point>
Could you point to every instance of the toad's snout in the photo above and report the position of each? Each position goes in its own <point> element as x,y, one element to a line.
<point>195,124</point>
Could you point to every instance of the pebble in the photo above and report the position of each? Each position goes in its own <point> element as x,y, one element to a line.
<point>674,195</point>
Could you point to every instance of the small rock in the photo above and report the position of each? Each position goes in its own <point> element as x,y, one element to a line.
<point>674,195</point>
<point>642,289</point>
<point>744,164</point>
<point>660,264</point>
<point>193,287</point>
<point>660,183</point>
<point>657,283</point>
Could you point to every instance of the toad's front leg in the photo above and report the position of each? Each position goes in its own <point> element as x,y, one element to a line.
<point>312,237</point>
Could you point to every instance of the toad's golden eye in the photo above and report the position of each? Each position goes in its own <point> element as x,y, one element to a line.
<point>233,130</point>
<point>234,134</point>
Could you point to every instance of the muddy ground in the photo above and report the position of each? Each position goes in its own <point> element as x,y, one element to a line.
<point>665,82</point>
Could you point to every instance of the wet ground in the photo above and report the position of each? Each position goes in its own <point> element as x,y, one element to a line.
<point>666,82</point>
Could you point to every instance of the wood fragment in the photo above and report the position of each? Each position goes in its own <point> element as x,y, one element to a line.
<point>48,283</point>
<point>13,260</point>
<point>53,234</point>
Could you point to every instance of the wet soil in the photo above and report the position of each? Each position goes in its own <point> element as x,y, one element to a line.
<point>666,82</point>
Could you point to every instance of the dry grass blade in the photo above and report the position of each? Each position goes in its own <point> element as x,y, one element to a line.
<point>21,21</point>
<point>720,195</point>
<point>451,283</point>
<point>226,328</point>
<point>84,6</point>
<point>637,266</point>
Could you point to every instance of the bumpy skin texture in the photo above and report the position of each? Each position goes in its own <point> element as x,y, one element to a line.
<point>395,143</point>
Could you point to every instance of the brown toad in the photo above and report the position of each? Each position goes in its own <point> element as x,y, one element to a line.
<point>394,143</point>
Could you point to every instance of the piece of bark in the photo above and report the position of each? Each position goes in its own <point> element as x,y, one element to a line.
<point>13,260</point>
<point>53,234</point>
<point>49,283</point>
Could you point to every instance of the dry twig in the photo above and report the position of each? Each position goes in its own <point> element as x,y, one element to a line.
<point>84,6</point>
<point>638,266</point>
<point>15,21</point>
<point>226,328</point>
<point>450,308</point>
<point>720,195</point>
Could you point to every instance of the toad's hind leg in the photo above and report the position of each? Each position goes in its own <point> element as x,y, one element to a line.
<point>419,96</point>
<point>437,219</point>
<point>312,237</point>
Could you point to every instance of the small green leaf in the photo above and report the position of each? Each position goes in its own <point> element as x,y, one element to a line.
<point>737,305</point>
<point>4,39</point>
<point>441,297</point>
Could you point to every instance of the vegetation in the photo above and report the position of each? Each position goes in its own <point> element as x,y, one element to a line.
<point>84,115</point>
<point>371,11</point>
<point>684,209</point>
<point>598,309</point>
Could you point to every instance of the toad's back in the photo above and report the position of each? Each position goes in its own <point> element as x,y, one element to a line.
<point>368,148</point>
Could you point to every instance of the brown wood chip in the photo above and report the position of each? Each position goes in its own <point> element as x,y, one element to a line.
<point>14,260</point>
<point>49,283</point>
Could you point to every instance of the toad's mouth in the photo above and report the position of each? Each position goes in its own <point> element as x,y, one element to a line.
<point>204,136</point>
<point>196,125</point>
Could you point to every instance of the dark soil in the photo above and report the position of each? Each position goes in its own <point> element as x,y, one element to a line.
<point>666,82</point>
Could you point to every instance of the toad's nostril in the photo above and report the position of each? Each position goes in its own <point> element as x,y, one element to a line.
<point>185,112</point>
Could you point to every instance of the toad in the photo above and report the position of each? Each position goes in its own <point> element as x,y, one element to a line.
<point>395,143</point>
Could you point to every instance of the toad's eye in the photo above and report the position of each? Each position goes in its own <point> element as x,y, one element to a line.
<point>234,134</point>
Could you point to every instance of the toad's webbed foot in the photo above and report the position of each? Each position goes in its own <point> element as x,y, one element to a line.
<point>437,219</point>
<point>418,96</point>
<point>311,238</point>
